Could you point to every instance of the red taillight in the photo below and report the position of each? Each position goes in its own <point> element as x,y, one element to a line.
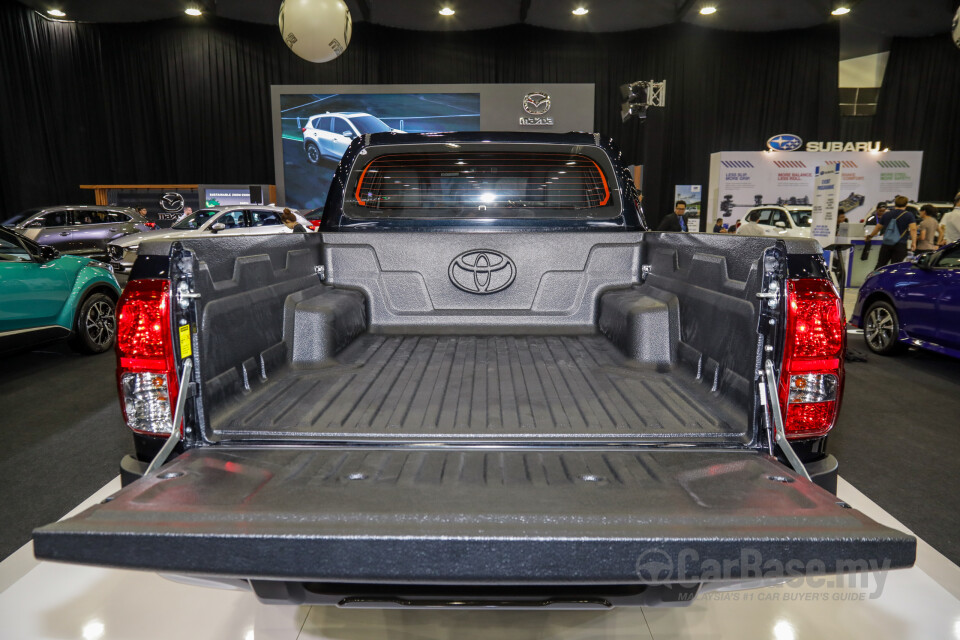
<point>303,129</point>
<point>151,225</point>
<point>146,368</point>
<point>314,224</point>
<point>811,382</point>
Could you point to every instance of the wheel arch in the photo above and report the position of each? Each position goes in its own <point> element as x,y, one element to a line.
<point>877,296</point>
<point>91,289</point>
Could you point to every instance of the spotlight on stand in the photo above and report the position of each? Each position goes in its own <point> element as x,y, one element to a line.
<point>637,96</point>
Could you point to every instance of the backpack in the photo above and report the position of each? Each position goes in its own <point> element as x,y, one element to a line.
<point>892,235</point>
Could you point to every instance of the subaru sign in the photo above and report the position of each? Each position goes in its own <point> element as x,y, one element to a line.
<point>784,142</point>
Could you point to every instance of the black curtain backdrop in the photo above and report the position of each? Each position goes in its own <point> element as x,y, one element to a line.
<point>187,101</point>
<point>919,110</point>
<point>856,128</point>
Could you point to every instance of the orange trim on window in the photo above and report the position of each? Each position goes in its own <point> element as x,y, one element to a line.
<point>606,189</point>
<point>360,183</point>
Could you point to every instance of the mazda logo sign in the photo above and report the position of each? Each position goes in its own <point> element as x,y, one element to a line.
<point>482,271</point>
<point>172,201</point>
<point>536,103</point>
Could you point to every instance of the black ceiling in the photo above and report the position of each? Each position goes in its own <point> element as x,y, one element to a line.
<point>883,17</point>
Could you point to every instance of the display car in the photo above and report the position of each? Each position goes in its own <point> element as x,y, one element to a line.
<point>784,221</point>
<point>483,383</point>
<point>913,207</point>
<point>328,135</point>
<point>83,230</point>
<point>225,221</point>
<point>914,303</point>
<point>45,296</point>
<point>941,207</point>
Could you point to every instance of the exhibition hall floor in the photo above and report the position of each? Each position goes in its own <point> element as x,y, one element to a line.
<point>897,442</point>
<point>49,600</point>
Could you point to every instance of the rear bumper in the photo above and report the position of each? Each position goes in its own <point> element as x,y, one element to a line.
<point>379,596</point>
<point>824,472</point>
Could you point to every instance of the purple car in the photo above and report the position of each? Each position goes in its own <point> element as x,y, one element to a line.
<point>913,303</point>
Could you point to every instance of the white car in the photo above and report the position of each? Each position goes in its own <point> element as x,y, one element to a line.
<point>784,221</point>
<point>233,220</point>
<point>330,134</point>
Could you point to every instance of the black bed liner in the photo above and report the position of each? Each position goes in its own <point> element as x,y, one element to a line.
<point>480,387</point>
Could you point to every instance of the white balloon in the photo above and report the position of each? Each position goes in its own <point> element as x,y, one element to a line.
<point>956,27</point>
<point>316,30</point>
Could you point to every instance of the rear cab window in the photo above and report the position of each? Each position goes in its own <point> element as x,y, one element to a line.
<point>481,181</point>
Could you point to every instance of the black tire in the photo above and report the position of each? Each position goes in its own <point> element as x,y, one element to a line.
<point>95,329</point>
<point>313,153</point>
<point>881,329</point>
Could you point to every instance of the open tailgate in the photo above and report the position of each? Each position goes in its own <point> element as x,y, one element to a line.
<point>473,516</point>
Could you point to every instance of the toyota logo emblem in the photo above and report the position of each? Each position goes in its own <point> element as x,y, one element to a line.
<point>482,271</point>
<point>172,201</point>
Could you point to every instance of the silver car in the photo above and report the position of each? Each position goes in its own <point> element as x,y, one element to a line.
<point>331,133</point>
<point>83,230</point>
<point>232,220</point>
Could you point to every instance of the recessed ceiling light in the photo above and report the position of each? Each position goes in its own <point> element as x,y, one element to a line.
<point>56,13</point>
<point>193,11</point>
<point>840,11</point>
<point>705,11</point>
<point>447,11</point>
<point>580,11</point>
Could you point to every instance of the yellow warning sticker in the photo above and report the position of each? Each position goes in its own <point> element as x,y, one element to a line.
<point>186,345</point>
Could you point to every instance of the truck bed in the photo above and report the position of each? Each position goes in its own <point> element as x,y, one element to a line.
<point>513,388</point>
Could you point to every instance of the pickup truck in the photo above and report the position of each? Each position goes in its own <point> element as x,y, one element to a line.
<point>483,383</point>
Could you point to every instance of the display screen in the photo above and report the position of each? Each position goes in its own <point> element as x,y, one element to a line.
<point>219,197</point>
<point>316,130</point>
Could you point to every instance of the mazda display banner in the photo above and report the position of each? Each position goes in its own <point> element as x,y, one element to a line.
<point>314,125</point>
<point>740,180</point>
<point>163,205</point>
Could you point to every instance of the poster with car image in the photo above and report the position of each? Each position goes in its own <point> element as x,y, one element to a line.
<point>316,130</point>
<point>742,180</point>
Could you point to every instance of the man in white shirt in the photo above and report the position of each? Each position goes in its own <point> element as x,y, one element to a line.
<point>750,227</point>
<point>950,223</point>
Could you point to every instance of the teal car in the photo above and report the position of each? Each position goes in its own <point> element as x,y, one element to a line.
<point>45,297</point>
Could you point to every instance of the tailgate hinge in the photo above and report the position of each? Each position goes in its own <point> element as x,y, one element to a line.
<point>773,408</point>
<point>772,294</point>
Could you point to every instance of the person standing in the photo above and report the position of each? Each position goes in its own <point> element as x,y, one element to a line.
<point>874,218</point>
<point>927,229</point>
<point>899,229</point>
<point>718,228</point>
<point>290,221</point>
<point>677,221</point>
<point>751,227</point>
<point>950,223</point>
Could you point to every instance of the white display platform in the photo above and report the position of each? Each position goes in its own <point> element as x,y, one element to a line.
<point>55,601</point>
